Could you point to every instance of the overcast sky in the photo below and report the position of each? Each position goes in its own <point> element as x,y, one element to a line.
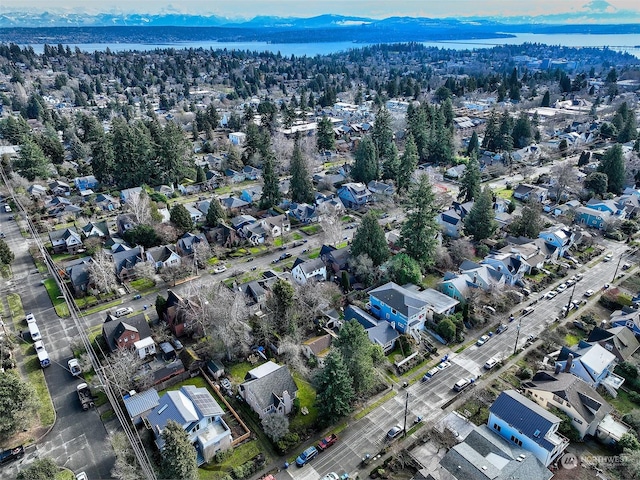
<point>309,8</point>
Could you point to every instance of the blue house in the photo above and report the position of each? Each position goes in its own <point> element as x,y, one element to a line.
<point>456,286</point>
<point>379,332</point>
<point>631,320</point>
<point>406,310</point>
<point>593,218</point>
<point>85,183</point>
<point>354,195</point>
<point>523,422</point>
<point>559,238</point>
<point>592,363</point>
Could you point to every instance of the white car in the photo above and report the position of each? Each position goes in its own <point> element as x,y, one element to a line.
<point>219,269</point>
<point>430,374</point>
<point>578,277</point>
<point>482,340</point>
<point>551,294</point>
<point>331,476</point>
<point>607,257</point>
<point>589,293</point>
<point>562,287</point>
<point>30,318</point>
<point>443,365</point>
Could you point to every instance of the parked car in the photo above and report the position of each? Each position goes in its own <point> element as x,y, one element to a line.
<point>589,293</point>
<point>326,442</point>
<point>331,476</point>
<point>492,362</point>
<point>74,367</point>
<point>562,287</point>
<point>501,328</point>
<point>137,296</point>
<point>626,266</point>
<point>443,365</point>
<point>394,432</point>
<point>219,269</point>
<point>482,340</point>
<point>306,456</point>
<point>550,294</point>
<point>431,373</point>
<point>608,257</point>
<point>177,344</point>
<point>462,384</point>
<point>121,312</point>
<point>579,277</point>
<point>527,311</point>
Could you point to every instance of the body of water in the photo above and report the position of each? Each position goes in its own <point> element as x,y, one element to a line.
<point>624,43</point>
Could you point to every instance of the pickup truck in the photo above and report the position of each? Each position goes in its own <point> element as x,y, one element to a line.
<point>85,396</point>
<point>11,454</point>
<point>326,442</point>
<point>74,367</point>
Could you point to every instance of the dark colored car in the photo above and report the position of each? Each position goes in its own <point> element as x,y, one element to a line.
<point>501,328</point>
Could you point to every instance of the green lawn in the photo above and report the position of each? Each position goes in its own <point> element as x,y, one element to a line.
<point>240,455</point>
<point>59,304</point>
<point>311,229</point>
<point>430,280</point>
<point>35,376</point>
<point>143,284</point>
<point>504,193</point>
<point>307,398</point>
<point>570,339</point>
<point>315,253</point>
<point>342,245</point>
<point>238,371</point>
<point>64,475</point>
<point>623,403</point>
<point>15,307</point>
<point>296,236</point>
<point>102,307</point>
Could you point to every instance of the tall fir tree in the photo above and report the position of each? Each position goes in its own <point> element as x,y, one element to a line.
<point>382,135</point>
<point>335,389</point>
<point>325,139</point>
<point>181,218</point>
<point>357,352</point>
<point>479,221</point>
<point>408,164</point>
<point>470,181</point>
<point>420,229</point>
<point>369,239</point>
<point>271,194</point>
<point>612,164</point>
<point>31,161</point>
<point>215,213</point>
<point>301,186</point>
<point>474,146</point>
<point>491,140</point>
<point>391,164</point>
<point>365,167</point>
<point>179,458</point>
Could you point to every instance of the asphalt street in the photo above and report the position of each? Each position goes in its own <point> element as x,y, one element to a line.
<point>367,435</point>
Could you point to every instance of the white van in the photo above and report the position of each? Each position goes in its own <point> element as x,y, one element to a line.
<point>461,384</point>
<point>491,363</point>
<point>35,332</point>
<point>43,356</point>
<point>121,312</point>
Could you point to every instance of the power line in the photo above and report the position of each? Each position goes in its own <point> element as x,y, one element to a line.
<point>132,434</point>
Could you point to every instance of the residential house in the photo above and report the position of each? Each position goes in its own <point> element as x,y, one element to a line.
<point>37,190</point>
<point>187,243</point>
<point>240,221</point>
<point>125,260</point>
<point>65,241</point>
<point>379,332</point>
<point>317,347</point>
<point>276,226</point>
<point>251,173</point>
<point>127,192</point>
<point>124,222</point>
<point>233,204</point>
<point>254,232</point>
<point>303,212</point>
<point>583,405</point>
<point>106,202</point>
<point>139,405</point>
<point>195,214</point>
<point>483,276</point>
<point>237,138</point>
<point>404,309</point>
<point>176,313</point>
<point>96,230</point>
<point>483,455</point>
<point>592,363</point>
<point>626,318</point>
<point>618,340</point>
<point>88,182</point>
<point>78,274</point>
<point>508,264</point>
<point>336,259</point>
<point>252,194</point>
<point>164,256</point>
<point>437,303</point>
<point>559,237</point>
<point>525,192</point>
<point>354,195</point>
<point>456,171</point>
<point>255,293</point>
<point>456,286</point>
<point>60,207</point>
<point>269,388</point>
<point>132,333</point>
<point>304,271</point>
<point>521,421</point>
<point>195,409</point>
<point>451,223</point>
<point>59,187</point>
<point>233,176</point>
<point>380,189</point>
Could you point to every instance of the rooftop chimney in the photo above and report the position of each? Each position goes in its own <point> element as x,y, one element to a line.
<point>567,367</point>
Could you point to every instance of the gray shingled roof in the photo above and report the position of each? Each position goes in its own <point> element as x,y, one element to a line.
<point>526,416</point>
<point>485,455</point>
<point>268,389</point>
<point>398,298</point>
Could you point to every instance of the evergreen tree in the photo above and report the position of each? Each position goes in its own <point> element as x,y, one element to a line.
<point>369,239</point>
<point>403,270</point>
<point>491,138</point>
<point>479,221</point>
<point>420,230</point>
<point>522,133</point>
<point>440,142</point>
<point>528,224</point>
<point>358,354</point>
<point>271,194</point>
<point>612,164</point>
<point>325,139</point>
<point>201,177</point>
<point>179,459</point>
<point>546,99</point>
<point>31,161</point>
<point>103,161</point>
<point>215,213</point>
<point>391,164</point>
<point>382,135</point>
<point>418,125</point>
<point>408,164</point>
<point>172,153</point>
<point>301,186</point>
<point>474,146</point>
<point>365,167</point>
<point>470,181</point>
<point>335,389</point>
<point>6,256</point>
<point>181,219</point>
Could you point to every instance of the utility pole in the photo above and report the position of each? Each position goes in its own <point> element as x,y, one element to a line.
<point>406,408</point>
<point>515,347</point>
<point>566,313</point>
<point>617,266</point>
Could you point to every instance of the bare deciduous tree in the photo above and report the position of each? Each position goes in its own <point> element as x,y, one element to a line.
<point>145,270</point>
<point>140,207</point>
<point>565,179</point>
<point>126,466</point>
<point>102,273</point>
<point>275,426</point>
<point>331,224</point>
<point>123,371</point>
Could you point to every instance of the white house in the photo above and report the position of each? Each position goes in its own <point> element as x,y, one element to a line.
<point>237,138</point>
<point>269,388</point>
<point>303,271</point>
